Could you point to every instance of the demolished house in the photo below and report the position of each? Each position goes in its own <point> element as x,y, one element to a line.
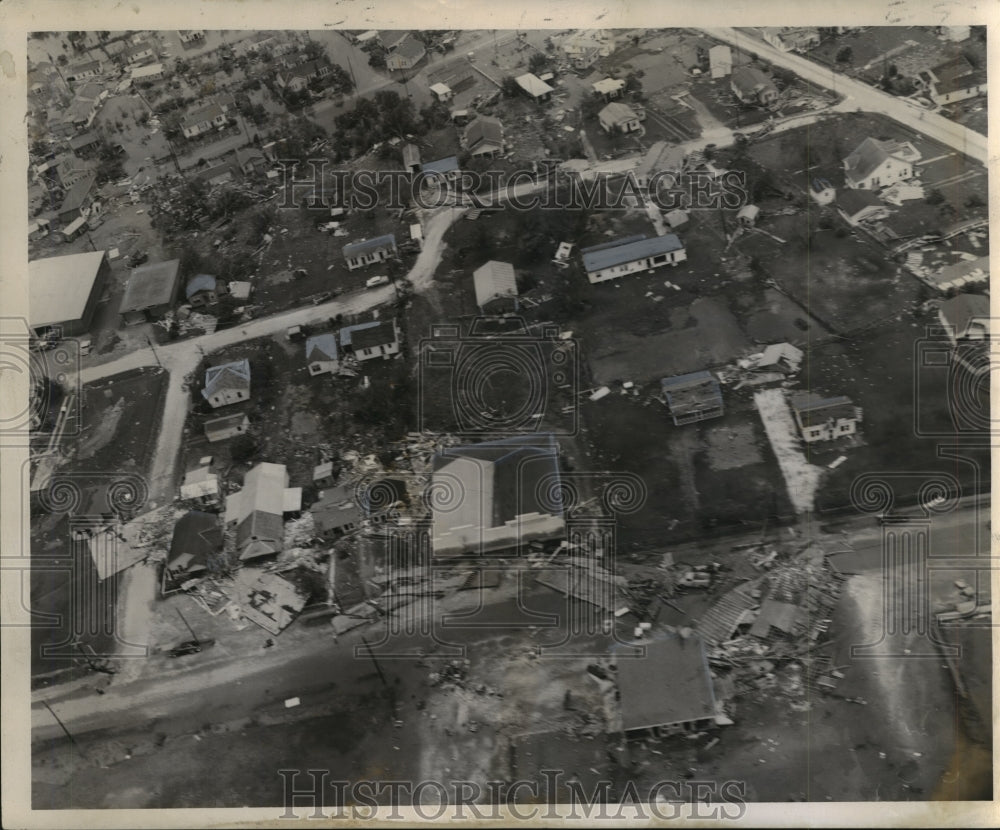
<point>693,397</point>
<point>197,537</point>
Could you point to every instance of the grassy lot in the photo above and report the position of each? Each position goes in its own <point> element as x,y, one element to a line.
<point>907,410</point>
<point>874,49</point>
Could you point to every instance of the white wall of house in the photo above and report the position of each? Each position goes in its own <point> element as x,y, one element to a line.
<point>837,428</point>
<point>380,255</point>
<point>226,397</point>
<point>385,350</point>
<point>890,171</point>
<point>322,367</point>
<point>957,94</point>
<point>634,267</point>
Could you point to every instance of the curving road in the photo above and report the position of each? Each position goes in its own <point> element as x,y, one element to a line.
<point>865,97</point>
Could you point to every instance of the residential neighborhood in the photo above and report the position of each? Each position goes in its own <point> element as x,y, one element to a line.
<point>464,405</point>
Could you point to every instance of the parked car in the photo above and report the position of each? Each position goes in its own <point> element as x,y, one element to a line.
<point>375,282</point>
<point>190,647</point>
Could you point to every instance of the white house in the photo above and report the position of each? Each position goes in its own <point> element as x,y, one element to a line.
<point>191,35</point>
<point>140,52</point>
<point>876,164</point>
<point>619,118</point>
<point>495,281</point>
<point>791,39</point>
<point>321,354</point>
<point>442,92</point>
<point>631,255</point>
<point>367,341</point>
<point>608,88</point>
<point>534,86</point>
<point>227,384</point>
<point>824,419</point>
<point>369,251</point>
<point>203,120</point>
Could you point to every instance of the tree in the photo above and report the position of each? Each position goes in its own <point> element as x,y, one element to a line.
<point>376,60</point>
<point>314,50</point>
<point>633,86</point>
<point>538,60</point>
<point>845,55</point>
<point>509,87</point>
<point>243,449</point>
<point>934,197</point>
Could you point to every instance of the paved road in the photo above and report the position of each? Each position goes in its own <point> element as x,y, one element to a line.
<point>865,97</point>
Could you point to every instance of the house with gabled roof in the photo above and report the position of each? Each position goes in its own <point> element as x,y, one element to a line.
<point>824,419</point>
<point>496,286</point>
<point>139,52</point>
<point>197,537</point>
<point>406,54</point>
<point>226,427</point>
<point>366,341</point>
<point>617,118</point>
<point>299,77</point>
<point>875,164</point>
<point>411,158</point>
<point>751,86</point>
<point>791,38</point>
<point>369,251</point>
<point>630,255</point>
<point>82,71</point>
<point>608,88</point>
<point>78,198</point>
<point>200,486</point>
<point>257,511</point>
<point>336,513</point>
<point>534,87</point>
<point>227,384</point>
<point>484,136</point>
<point>966,317</point>
<point>321,354</point>
<point>693,397</point>
<point>391,38</point>
<point>202,120</point>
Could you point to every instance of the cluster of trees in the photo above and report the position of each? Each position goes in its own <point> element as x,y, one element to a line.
<point>386,115</point>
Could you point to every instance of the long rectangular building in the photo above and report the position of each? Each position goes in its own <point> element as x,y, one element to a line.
<point>631,255</point>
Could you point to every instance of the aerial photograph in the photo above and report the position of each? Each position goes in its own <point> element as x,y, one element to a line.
<point>339,340</point>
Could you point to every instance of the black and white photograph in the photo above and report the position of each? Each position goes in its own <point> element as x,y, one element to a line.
<point>430,412</point>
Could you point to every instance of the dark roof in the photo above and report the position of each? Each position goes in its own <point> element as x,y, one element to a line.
<point>970,81</point>
<point>337,507</point>
<point>267,527</point>
<point>306,70</point>
<point>78,193</point>
<point>151,285</point>
<point>866,158</point>
<point>410,47</point>
<point>525,471</point>
<point>354,249</point>
<point>83,140</point>
<point>445,165</point>
<point>950,70</point>
<point>484,129</point>
<point>669,684</point>
<point>851,201</point>
<point>813,410</point>
<point>380,335</point>
<point>197,534</point>
<point>391,37</point>
<point>599,258</point>
<point>208,112</point>
<point>200,282</point>
<point>749,79</point>
<point>247,155</point>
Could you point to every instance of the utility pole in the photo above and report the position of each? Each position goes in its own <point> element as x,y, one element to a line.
<point>63,727</point>
<point>189,628</point>
<point>148,340</point>
<point>378,668</point>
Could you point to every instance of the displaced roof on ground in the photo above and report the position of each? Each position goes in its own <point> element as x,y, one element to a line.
<point>775,614</point>
<point>669,684</point>
<point>445,165</point>
<point>200,282</point>
<point>492,280</point>
<point>78,193</point>
<point>962,309</point>
<point>59,287</point>
<point>617,112</point>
